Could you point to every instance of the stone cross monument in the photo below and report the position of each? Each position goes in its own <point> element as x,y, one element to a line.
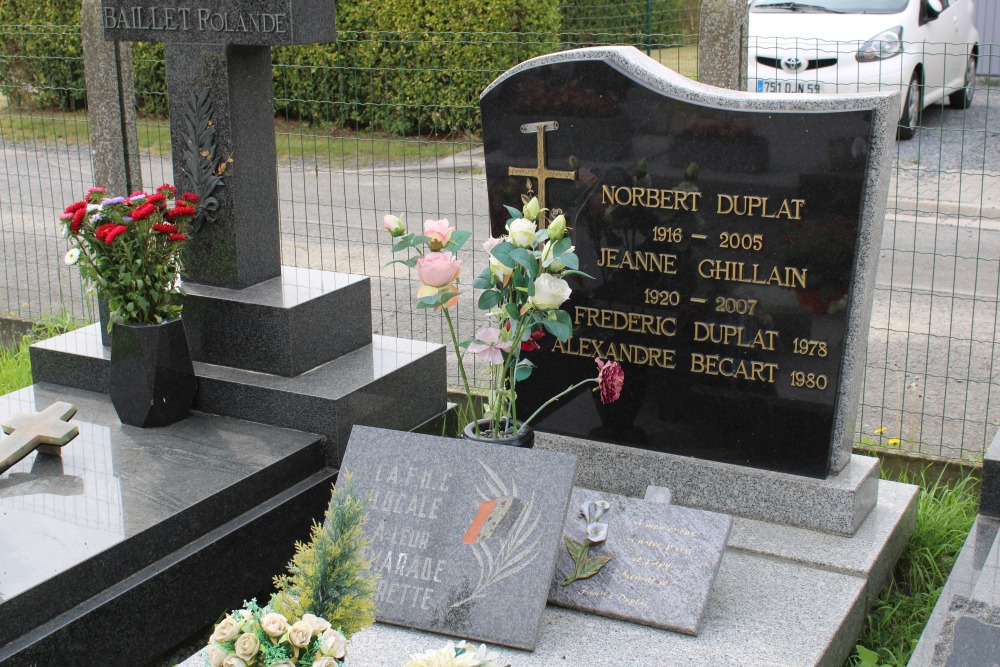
<point>219,85</point>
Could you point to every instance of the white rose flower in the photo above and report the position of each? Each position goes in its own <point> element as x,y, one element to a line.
<point>319,625</point>
<point>326,662</point>
<point>333,643</point>
<point>300,634</point>
<point>246,646</point>
<point>72,256</point>
<point>550,292</point>
<point>233,661</point>
<point>522,232</point>
<point>226,631</point>
<point>274,625</point>
<point>501,272</point>
<point>216,656</point>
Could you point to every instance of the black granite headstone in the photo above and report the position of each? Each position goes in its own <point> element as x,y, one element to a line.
<point>463,535</point>
<point>722,242</point>
<point>977,644</point>
<point>219,87</point>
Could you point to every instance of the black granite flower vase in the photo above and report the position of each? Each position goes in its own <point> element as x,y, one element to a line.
<point>525,439</point>
<point>152,377</point>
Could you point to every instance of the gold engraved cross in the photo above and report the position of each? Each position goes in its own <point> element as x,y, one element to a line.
<point>47,431</point>
<point>542,173</point>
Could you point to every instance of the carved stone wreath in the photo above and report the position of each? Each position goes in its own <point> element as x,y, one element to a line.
<point>201,161</point>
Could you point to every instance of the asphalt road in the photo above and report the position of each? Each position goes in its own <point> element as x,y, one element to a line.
<point>933,365</point>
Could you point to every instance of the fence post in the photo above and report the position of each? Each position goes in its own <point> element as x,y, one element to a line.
<point>114,139</point>
<point>722,43</point>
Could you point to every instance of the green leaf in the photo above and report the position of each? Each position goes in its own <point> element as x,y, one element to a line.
<point>513,213</point>
<point>484,280</point>
<point>571,272</point>
<point>458,239</point>
<point>558,329</point>
<point>411,262</point>
<point>405,241</point>
<point>502,252</point>
<point>522,373</point>
<point>571,261</point>
<point>489,299</point>
<point>592,566</point>
<point>527,260</point>
<point>511,310</point>
<point>577,550</point>
<point>561,246</point>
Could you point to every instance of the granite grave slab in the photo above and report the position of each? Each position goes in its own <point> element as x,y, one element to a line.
<point>664,560</point>
<point>733,238</point>
<point>463,536</point>
<point>105,531</point>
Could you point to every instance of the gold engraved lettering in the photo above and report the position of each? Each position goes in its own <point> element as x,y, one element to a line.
<point>671,200</point>
<point>629,352</point>
<point>653,581</point>
<point>742,272</point>
<point>638,260</point>
<point>619,320</point>
<point>728,334</point>
<point>742,369</point>
<point>754,206</point>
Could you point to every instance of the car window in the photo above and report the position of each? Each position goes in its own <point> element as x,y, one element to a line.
<point>836,6</point>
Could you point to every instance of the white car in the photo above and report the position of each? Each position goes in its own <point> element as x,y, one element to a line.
<point>925,49</point>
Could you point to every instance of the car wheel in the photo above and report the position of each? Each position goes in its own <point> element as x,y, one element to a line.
<point>962,99</point>
<point>912,108</point>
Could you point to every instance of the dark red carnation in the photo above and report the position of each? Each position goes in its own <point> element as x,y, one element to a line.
<point>114,233</point>
<point>75,206</point>
<point>610,379</point>
<point>177,237</point>
<point>191,197</point>
<point>143,211</point>
<point>101,232</point>
<point>165,228</point>
<point>531,344</point>
<point>77,219</point>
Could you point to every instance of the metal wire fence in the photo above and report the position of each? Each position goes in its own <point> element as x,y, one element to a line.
<point>932,374</point>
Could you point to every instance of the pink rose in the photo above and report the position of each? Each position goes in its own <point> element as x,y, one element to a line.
<point>439,233</point>
<point>394,225</point>
<point>437,269</point>
<point>491,243</point>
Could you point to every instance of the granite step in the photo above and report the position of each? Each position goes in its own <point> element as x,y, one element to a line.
<point>392,383</point>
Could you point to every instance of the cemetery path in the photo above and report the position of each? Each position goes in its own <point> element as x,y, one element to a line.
<point>931,368</point>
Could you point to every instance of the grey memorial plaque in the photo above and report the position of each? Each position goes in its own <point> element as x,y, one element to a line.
<point>664,559</point>
<point>464,535</point>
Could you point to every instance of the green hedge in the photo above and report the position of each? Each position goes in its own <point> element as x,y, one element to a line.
<point>402,66</point>
<point>411,66</point>
<point>605,21</point>
<point>41,56</point>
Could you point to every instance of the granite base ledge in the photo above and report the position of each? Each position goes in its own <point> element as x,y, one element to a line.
<point>838,505</point>
<point>283,326</point>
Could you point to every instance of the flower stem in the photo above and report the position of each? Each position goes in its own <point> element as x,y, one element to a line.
<point>556,398</point>
<point>461,368</point>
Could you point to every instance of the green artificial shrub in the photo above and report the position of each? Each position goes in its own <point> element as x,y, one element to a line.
<point>41,54</point>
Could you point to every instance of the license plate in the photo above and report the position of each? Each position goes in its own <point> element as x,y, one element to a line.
<point>789,86</point>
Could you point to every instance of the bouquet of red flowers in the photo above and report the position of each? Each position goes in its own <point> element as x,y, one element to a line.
<point>129,249</point>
